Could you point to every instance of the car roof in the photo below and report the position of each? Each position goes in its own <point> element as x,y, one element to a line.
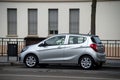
<point>79,34</point>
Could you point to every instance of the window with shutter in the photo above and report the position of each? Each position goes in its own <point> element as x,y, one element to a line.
<point>12,22</point>
<point>74,21</point>
<point>32,21</point>
<point>53,21</point>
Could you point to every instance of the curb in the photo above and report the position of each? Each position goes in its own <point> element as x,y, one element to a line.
<point>111,66</point>
<point>11,64</point>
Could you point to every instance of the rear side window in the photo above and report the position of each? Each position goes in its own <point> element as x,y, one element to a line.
<point>76,40</point>
<point>96,40</point>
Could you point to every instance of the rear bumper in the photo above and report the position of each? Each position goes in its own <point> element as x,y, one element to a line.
<point>100,58</point>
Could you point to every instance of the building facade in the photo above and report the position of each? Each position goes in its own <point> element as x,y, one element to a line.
<point>41,18</point>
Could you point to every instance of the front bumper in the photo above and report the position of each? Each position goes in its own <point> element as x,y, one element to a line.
<point>20,58</point>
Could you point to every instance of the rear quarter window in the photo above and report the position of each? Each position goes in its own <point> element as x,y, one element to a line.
<point>96,40</point>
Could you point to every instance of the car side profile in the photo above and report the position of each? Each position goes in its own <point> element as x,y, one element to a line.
<point>87,51</point>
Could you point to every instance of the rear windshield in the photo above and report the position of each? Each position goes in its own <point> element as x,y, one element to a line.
<point>96,39</point>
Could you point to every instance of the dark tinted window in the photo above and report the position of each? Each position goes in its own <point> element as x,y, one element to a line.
<point>96,39</point>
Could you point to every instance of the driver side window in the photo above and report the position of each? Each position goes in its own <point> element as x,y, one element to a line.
<point>58,40</point>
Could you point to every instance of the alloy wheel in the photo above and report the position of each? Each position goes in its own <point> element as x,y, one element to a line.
<point>31,61</point>
<point>86,62</point>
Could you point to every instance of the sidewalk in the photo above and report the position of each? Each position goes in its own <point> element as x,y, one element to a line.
<point>112,63</point>
<point>12,61</point>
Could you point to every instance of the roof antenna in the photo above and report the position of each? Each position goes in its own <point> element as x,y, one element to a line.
<point>89,32</point>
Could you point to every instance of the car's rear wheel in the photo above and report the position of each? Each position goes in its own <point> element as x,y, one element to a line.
<point>31,61</point>
<point>86,62</point>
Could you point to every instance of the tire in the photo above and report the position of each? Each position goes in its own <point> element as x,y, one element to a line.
<point>86,62</point>
<point>31,61</point>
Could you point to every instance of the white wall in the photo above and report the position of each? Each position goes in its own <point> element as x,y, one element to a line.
<point>107,20</point>
<point>63,16</point>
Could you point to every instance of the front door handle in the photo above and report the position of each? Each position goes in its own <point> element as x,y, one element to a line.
<point>61,47</point>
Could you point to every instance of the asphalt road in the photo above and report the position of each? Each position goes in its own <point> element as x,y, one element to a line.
<point>57,73</point>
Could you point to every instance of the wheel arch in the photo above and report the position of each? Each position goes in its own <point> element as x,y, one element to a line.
<point>31,54</point>
<point>85,55</point>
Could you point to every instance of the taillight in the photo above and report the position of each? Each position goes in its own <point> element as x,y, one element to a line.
<point>94,47</point>
<point>103,48</point>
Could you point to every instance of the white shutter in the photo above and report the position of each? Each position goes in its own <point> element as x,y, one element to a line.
<point>12,21</point>
<point>53,20</point>
<point>32,21</point>
<point>74,21</point>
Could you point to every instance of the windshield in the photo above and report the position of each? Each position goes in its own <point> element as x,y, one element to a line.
<point>96,39</point>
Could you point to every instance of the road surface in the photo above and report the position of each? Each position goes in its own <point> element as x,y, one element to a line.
<point>57,73</point>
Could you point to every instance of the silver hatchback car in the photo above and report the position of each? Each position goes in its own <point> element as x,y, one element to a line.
<point>87,51</point>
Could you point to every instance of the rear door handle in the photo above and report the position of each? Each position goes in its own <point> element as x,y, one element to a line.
<point>60,47</point>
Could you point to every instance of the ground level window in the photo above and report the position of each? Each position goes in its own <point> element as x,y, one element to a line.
<point>53,32</point>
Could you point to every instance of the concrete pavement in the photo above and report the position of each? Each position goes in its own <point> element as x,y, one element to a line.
<point>111,63</point>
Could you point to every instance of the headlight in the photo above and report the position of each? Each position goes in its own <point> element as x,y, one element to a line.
<point>24,49</point>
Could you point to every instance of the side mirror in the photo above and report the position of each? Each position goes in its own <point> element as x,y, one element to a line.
<point>43,44</point>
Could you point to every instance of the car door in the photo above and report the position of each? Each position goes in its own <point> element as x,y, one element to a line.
<point>52,52</point>
<point>74,49</point>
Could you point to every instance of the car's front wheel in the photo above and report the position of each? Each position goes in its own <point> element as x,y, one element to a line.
<point>86,62</point>
<point>31,61</point>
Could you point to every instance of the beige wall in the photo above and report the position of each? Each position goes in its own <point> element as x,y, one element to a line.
<point>108,20</point>
<point>108,17</point>
<point>63,10</point>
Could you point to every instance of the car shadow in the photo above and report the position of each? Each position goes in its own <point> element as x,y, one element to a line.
<point>71,67</point>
